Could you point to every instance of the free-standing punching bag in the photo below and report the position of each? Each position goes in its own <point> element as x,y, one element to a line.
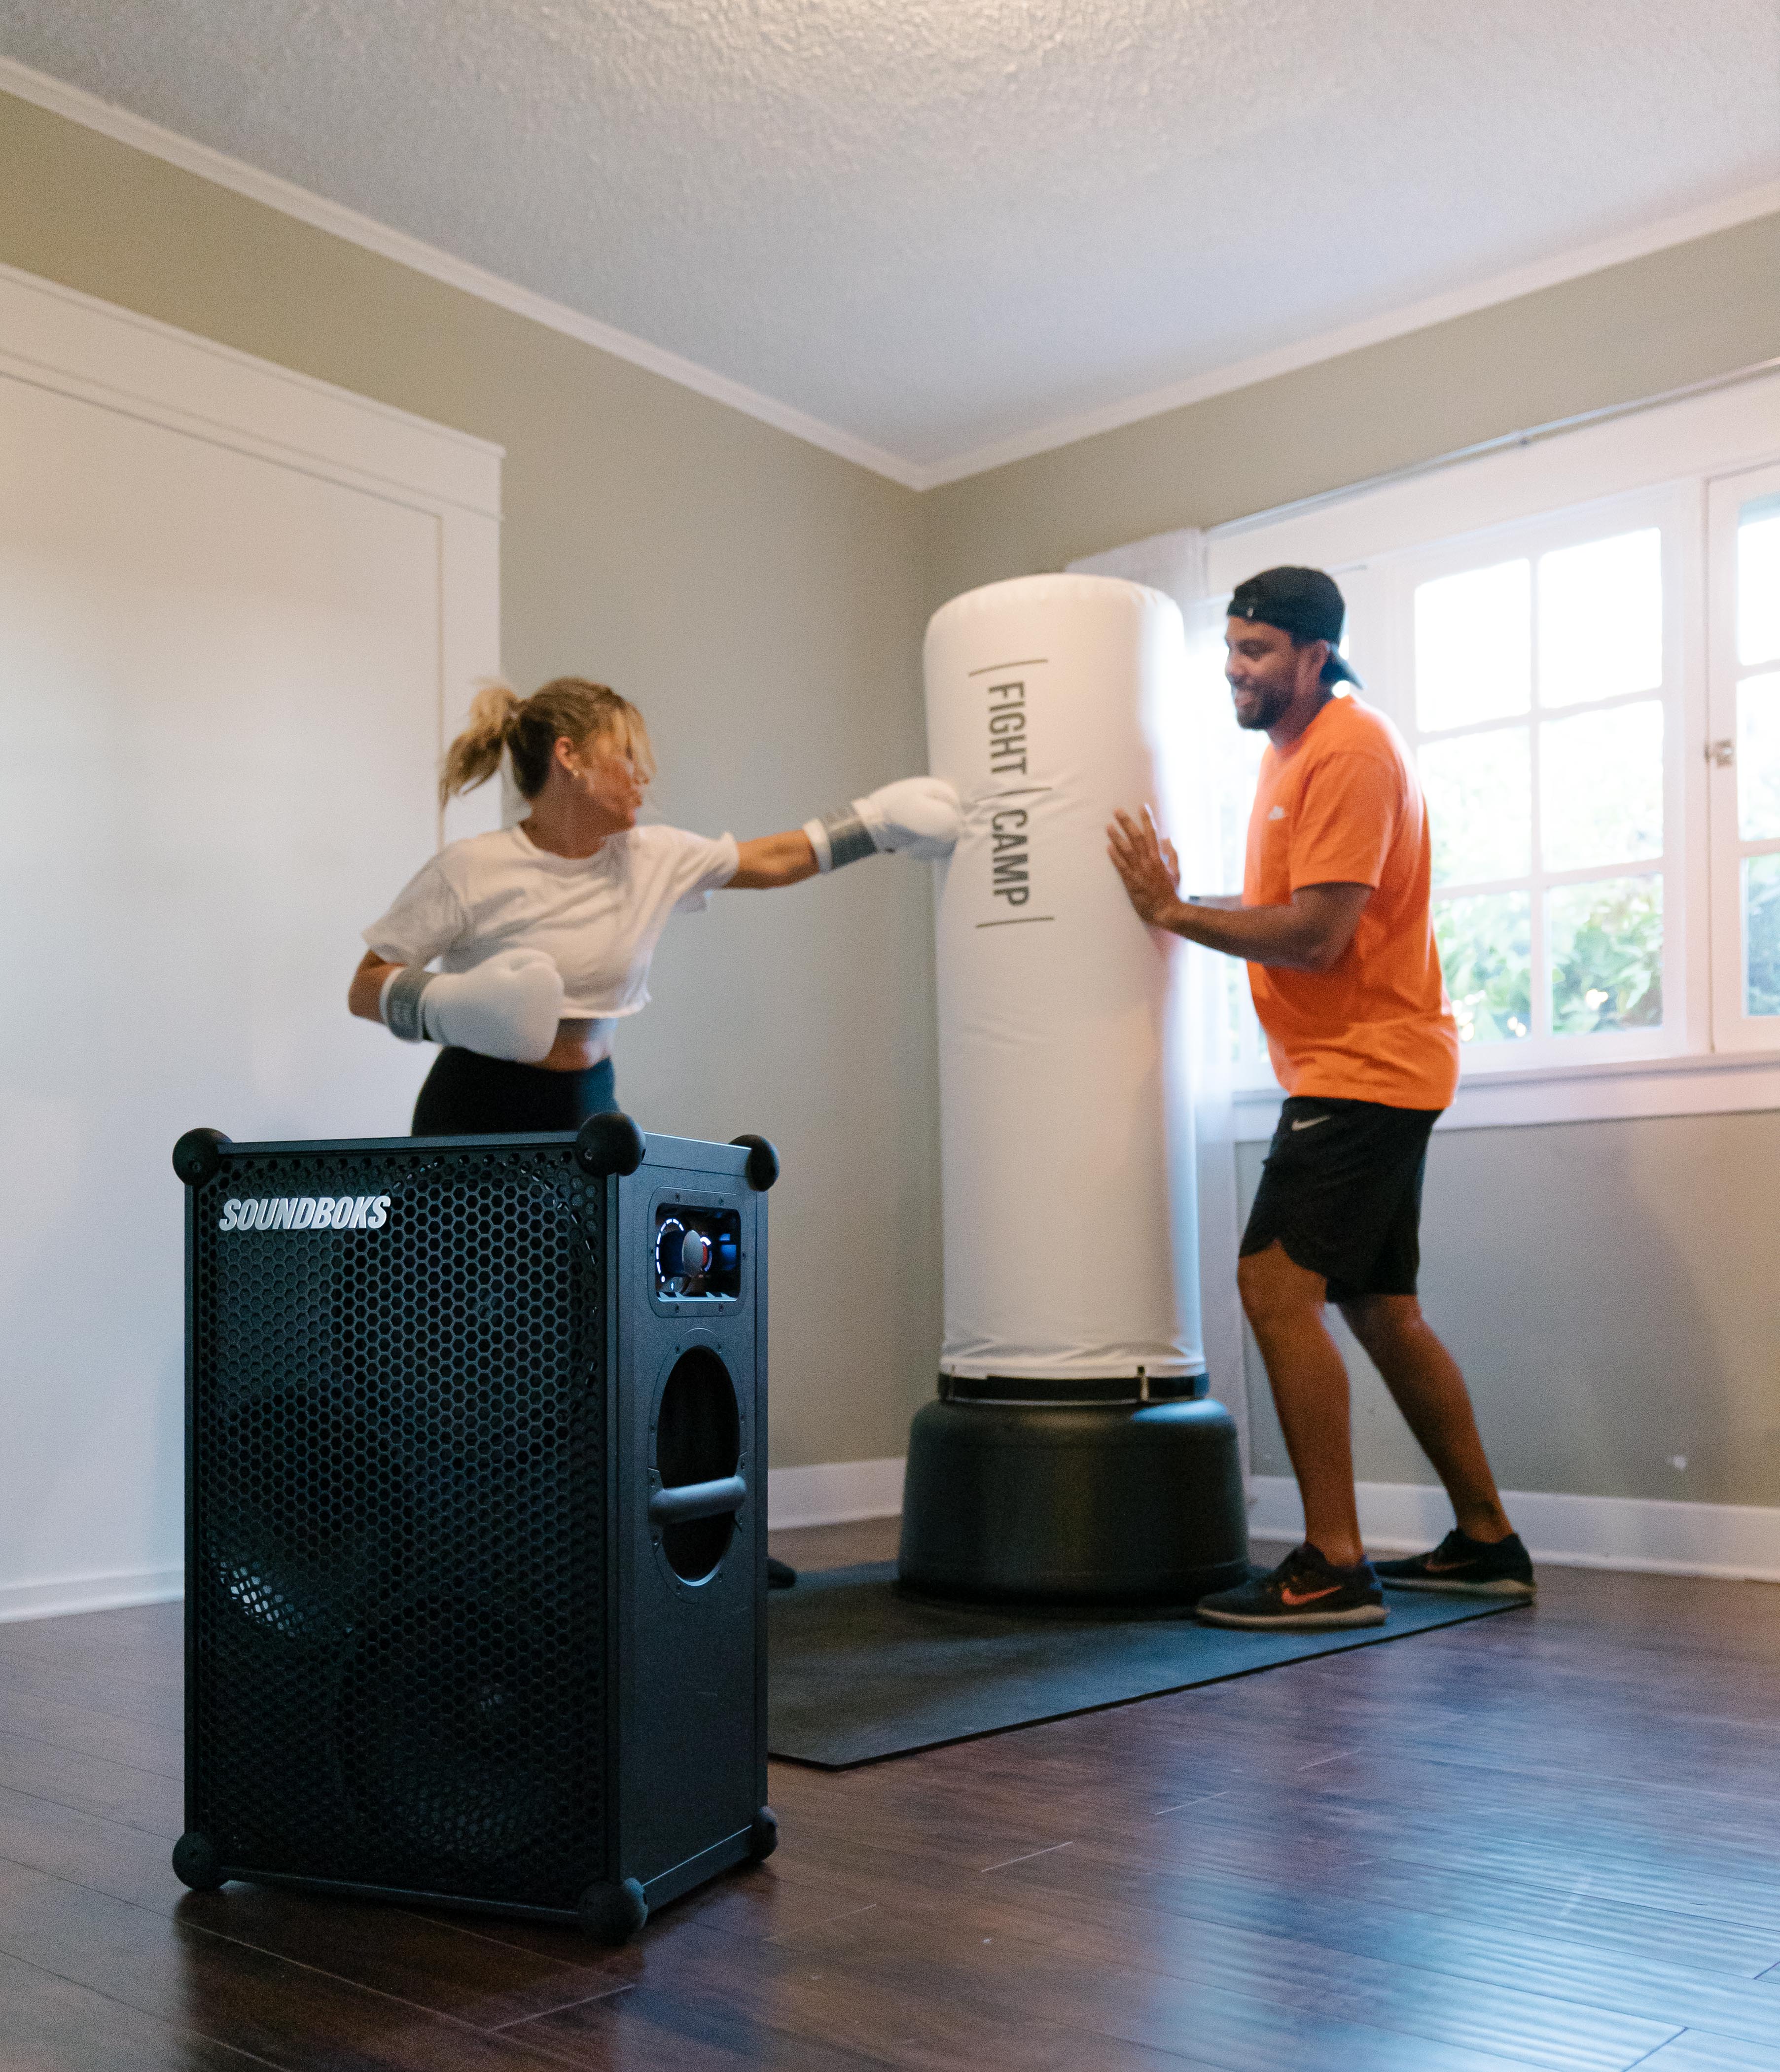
<point>1072,1453</point>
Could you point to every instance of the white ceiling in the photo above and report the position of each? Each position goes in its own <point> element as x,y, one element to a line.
<point>940,227</point>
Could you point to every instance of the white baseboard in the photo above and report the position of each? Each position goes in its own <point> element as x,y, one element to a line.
<point>1739,1541</point>
<point>834,1492</point>
<point>90,1593</point>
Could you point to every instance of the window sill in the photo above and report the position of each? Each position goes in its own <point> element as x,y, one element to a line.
<point>1701,1082</point>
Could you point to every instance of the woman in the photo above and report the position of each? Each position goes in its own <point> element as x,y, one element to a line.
<point>545,930</point>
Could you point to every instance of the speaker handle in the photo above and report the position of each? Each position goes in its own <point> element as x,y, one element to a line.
<point>691,1500</point>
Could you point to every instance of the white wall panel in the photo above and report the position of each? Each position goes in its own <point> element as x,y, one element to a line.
<point>223,680</point>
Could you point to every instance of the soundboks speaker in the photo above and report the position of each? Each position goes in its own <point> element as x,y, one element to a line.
<point>475,1525</point>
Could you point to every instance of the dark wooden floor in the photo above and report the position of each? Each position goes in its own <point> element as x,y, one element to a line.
<point>1545,1840</point>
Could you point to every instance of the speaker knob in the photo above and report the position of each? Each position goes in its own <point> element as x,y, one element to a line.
<point>695,1254</point>
<point>670,1249</point>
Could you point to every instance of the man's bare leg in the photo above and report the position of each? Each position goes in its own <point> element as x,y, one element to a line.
<point>1284,1302</point>
<point>1424,1381</point>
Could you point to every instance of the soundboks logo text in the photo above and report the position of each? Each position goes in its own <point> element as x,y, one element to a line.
<point>301,1212</point>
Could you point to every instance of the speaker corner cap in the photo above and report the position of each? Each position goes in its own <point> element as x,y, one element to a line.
<point>197,1155</point>
<point>762,1165</point>
<point>610,1143</point>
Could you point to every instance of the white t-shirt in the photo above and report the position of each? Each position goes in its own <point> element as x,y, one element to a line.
<point>600,917</point>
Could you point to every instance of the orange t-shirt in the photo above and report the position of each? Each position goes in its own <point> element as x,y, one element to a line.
<point>1341,806</point>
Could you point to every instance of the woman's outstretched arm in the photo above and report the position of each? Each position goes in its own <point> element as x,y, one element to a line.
<point>918,815</point>
<point>774,859</point>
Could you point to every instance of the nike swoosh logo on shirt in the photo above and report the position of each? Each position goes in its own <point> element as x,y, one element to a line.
<point>1296,1597</point>
<point>1278,813</point>
<point>1311,1122</point>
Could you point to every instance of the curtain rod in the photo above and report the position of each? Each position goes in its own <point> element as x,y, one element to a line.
<point>1530,435</point>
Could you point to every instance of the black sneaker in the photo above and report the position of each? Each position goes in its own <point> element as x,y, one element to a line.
<point>1479,1568</point>
<point>780,1575</point>
<point>1304,1590</point>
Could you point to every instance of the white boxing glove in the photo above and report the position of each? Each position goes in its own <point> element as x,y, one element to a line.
<point>507,1008</point>
<point>917,816</point>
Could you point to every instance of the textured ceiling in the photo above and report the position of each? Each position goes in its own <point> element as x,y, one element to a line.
<point>938,224</point>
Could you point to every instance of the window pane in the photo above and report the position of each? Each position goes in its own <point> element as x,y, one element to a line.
<point>1480,806</point>
<point>1238,1006</point>
<point>1601,786</point>
<point>1605,941</point>
<point>1758,758</point>
<point>1474,647</point>
<point>1485,951</point>
<point>1600,618</point>
<point>1758,583</point>
<point>1761,935</point>
<point>1238,767</point>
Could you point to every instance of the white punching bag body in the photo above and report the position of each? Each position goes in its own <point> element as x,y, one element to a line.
<point>1069,1254</point>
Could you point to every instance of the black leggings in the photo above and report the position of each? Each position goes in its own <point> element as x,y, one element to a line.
<point>466,1095</point>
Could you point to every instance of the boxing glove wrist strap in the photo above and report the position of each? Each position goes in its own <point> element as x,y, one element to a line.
<point>401,1002</point>
<point>839,837</point>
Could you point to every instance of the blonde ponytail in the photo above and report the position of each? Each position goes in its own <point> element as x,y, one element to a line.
<point>527,730</point>
<point>475,756</point>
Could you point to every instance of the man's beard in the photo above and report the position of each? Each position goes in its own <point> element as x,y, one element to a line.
<point>1271,702</point>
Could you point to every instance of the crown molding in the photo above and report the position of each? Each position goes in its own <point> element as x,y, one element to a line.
<point>137,131</point>
<point>77,105</point>
<point>1745,206</point>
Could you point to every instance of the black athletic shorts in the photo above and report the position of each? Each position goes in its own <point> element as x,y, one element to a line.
<point>467,1095</point>
<point>1341,1192</point>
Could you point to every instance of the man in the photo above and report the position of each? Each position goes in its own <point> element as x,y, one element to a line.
<point>1333,922</point>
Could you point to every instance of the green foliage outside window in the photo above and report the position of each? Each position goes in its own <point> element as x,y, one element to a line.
<point>1761,932</point>
<point>1486,952</point>
<point>1606,945</point>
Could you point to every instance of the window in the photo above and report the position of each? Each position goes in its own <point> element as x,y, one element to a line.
<point>1538,679</point>
<point>1743,757</point>
<point>1535,672</point>
<point>1580,642</point>
<point>1208,768</point>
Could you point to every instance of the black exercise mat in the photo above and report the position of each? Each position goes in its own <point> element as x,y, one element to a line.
<point>859,1671</point>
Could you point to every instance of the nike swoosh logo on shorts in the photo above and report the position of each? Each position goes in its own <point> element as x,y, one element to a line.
<point>1308,1598</point>
<point>1311,1122</point>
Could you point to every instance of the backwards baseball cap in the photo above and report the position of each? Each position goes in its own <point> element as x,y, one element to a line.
<point>1304,603</point>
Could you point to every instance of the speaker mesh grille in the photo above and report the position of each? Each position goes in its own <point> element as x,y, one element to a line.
<point>398,1460</point>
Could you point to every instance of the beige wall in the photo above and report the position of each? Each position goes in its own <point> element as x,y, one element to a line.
<point>1609,1286</point>
<point>758,597</point>
<point>1631,332</point>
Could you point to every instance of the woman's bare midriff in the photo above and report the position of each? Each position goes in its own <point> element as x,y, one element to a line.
<point>576,1047</point>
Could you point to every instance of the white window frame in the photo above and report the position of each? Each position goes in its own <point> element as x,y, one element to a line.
<point>1733,1030</point>
<point>1673,511</point>
<point>1674,455</point>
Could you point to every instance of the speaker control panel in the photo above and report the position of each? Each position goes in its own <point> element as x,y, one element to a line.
<point>697,1253</point>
